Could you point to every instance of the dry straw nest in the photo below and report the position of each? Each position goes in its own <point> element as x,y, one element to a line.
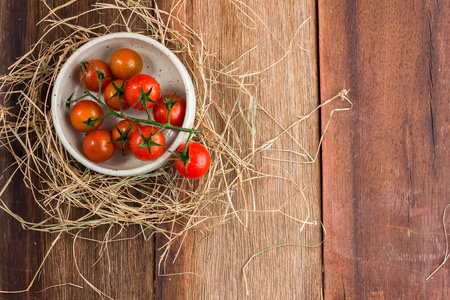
<point>148,200</point>
<point>63,188</point>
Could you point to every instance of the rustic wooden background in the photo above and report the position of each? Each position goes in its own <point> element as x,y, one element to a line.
<point>380,186</point>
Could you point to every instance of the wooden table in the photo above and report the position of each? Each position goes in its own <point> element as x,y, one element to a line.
<point>380,185</point>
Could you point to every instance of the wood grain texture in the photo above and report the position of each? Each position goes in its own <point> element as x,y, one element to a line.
<point>386,164</point>
<point>386,177</point>
<point>19,249</point>
<point>288,90</point>
<point>126,269</point>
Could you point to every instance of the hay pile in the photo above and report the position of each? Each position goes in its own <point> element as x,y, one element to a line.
<point>74,197</point>
<point>148,200</point>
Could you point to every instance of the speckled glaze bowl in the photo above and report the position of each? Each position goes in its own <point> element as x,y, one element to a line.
<point>159,62</point>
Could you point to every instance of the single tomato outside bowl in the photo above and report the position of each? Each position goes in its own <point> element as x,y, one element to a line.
<point>158,62</point>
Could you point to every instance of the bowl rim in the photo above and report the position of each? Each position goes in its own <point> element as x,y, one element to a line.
<point>181,136</point>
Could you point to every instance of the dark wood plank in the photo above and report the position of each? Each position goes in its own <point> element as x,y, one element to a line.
<point>386,164</point>
<point>125,270</point>
<point>20,251</point>
<point>289,89</point>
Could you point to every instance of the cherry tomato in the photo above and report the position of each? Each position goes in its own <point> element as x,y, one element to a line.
<point>198,162</point>
<point>123,126</point>
<point>133,90</point>
<point>91,76</point>
<point>176,113</point>
<point>125,63</point>
<point>97,145</point>
<point>142,153</point>
<point>82,111</point>
<point>113,102</point>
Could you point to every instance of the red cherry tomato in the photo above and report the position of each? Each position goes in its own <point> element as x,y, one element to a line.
<point>91,76</point>
<point>176,113</point>
<point>198,163</point>
<point>125,63</point>
<point>123,126</point>
<point>133,90</point>
<point>113,102</point>
<point>142,153</point>
<point>97,145</point>
<point>82,111</point>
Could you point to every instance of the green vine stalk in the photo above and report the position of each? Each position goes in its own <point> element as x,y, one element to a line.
<point>144,98</point>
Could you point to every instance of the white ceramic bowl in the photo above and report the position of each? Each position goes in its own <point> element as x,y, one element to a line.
<point>159,62</point>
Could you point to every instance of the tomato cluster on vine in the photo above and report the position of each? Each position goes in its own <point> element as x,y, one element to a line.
<point>132,90</point>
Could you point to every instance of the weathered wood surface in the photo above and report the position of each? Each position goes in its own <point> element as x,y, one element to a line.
<point>289,89</point>
<point>128,270</point>
<point>386,164</point>
<point>19,250</point>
